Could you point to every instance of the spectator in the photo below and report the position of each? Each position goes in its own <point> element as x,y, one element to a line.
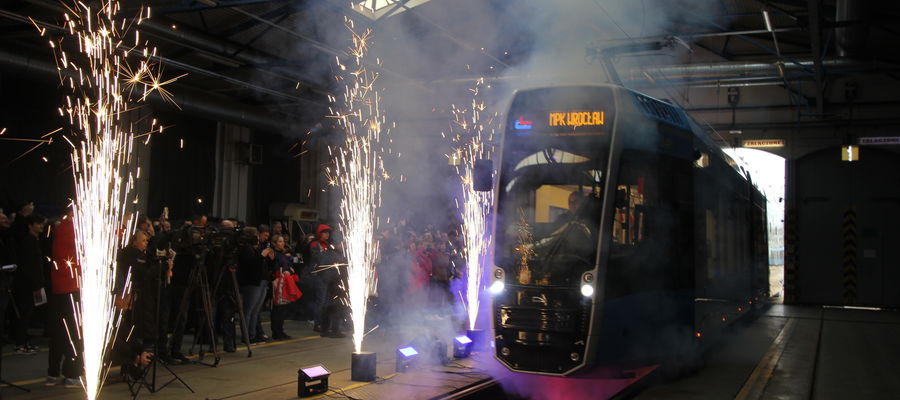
<point>64,286</point>
<point>324,257</point>
<point>7,258</point>
<point>279,229</point>
<point>30,282</point>
<point>279,262</point>
<point>253,278</point>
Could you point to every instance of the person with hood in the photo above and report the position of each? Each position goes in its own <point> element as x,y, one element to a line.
<point>323,256</point>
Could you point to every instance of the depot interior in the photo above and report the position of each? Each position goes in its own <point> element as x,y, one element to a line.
<point>802,95</point>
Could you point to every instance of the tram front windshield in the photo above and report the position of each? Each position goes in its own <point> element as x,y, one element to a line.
<point>549,213</point>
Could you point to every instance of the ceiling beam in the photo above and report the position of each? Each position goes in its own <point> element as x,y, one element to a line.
<point>815,40</point>
<point>323,47</point>
<point>449,35</point>
<point>720,54</point>
<point>200,5</point>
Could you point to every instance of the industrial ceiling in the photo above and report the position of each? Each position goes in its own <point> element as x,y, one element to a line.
<point>750,67</point>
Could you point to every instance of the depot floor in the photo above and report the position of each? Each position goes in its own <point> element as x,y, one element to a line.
<point>788,352</point>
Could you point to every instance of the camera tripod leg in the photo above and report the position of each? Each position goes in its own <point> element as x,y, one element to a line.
<point>181,320</point>
<point>208,309</point>
<point>240,306</point>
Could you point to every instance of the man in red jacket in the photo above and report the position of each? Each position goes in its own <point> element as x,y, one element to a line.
<point>65,285</point>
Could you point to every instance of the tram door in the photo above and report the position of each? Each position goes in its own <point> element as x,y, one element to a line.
<point>848,244</point>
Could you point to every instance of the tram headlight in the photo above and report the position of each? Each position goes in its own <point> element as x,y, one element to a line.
<point>587,287</point>
<point>497,287</point>
<point>587,290</point>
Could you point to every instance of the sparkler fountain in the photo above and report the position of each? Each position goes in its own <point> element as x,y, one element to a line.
<point>359,173</point>
<point>106,77</point>
<point>473,140</point>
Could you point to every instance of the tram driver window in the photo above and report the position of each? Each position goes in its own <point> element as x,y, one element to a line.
<point>562,239</point>
<point>552,204</point>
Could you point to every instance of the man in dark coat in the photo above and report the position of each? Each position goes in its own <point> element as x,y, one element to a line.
<point>253,278</point>
<point>142,293</point>
<point>7,261</point>
<point>30,282</point>
<point>324,258</point>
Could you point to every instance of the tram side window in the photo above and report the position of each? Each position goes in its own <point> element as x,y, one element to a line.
<point>634,196</point>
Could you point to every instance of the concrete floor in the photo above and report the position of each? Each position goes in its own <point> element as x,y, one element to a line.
<point>271,372</point>
<point>789,352</point>
<point>796,352</point>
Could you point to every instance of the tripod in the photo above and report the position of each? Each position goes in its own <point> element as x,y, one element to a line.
<point>199,279</point>
<point>151,384</point>
<point>236,298</point>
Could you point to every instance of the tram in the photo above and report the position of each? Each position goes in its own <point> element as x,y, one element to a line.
<point>624,235</point>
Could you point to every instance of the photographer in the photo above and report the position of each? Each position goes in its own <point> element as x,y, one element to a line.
<point>140,298</point>
<point>152,284</point>
<point>222,262</point>
<point>190,245</point>
<point>253,277</point>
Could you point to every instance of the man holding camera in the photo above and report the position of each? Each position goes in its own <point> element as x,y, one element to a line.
<point>131,288</point>
<point>222,261</point>
<point>153,283</point>
<point>190,245</point>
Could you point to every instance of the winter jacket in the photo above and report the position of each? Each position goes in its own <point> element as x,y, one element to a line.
<point>65,271</point>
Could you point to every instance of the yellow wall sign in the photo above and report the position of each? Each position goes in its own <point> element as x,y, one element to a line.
<point>577,118</point>
<point>761,143</point>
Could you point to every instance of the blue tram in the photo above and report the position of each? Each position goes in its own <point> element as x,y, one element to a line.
<point>623,234</point>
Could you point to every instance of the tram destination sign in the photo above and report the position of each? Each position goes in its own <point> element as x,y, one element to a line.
<point>764,143</point>
<point>577,118</point>
<point>880,140</point>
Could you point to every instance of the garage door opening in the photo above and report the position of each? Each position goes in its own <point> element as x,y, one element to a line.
<point>767,171</point>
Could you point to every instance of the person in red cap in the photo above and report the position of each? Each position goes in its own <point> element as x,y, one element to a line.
<point>65,286</point>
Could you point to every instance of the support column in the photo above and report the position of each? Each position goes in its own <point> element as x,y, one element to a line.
<point>233,163</point>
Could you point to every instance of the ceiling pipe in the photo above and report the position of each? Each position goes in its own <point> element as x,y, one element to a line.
<point>608,55</point>
<point>214,107</point>
<point>850,40</point>
<point>714,71</point>
<point>752,68</point>
<point>162,28</point>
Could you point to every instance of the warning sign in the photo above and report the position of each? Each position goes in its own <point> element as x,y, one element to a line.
<point>880,140</point>
<point>758,143</point>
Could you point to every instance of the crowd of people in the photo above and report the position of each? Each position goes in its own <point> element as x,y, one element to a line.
<point>197,277</point>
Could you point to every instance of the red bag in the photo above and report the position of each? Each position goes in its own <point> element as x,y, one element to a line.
<point>284,288</point>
